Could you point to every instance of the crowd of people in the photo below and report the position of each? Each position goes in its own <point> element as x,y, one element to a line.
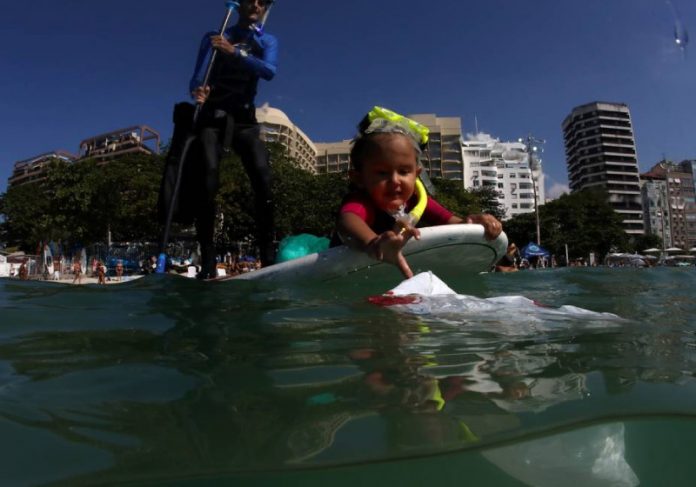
<point>514,261</point>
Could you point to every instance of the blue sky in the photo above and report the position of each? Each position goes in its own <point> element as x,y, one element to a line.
<point>76,68</point>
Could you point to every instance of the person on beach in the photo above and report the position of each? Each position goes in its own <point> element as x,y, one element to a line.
<point>101,272</point>
<point>227,121</point>
<point>57,268</point>
<point>77,271</point>
<point>385,167</point>
<point>24,270</point>
<point>507,262</point>
<point>119,270</point>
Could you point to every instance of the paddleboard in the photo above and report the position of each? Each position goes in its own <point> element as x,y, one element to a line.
<point>446,250</point>
<point>48,260</point>
<point>83,261</point>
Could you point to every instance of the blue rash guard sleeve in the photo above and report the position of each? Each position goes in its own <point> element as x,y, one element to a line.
<point>264,67</point>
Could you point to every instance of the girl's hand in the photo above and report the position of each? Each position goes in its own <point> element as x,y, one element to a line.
<point>491,226</point>
<point>387,247</point>
<point>200,94</point>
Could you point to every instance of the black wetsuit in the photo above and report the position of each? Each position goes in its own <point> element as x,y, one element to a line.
<point>227,121</point>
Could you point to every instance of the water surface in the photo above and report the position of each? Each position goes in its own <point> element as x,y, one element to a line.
<point>175,382</point>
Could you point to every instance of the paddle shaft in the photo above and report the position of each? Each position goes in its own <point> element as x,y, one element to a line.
<point>162,259</point>
<point>231,7</point>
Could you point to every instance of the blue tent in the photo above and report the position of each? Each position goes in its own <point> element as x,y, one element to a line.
<point>534,250</point>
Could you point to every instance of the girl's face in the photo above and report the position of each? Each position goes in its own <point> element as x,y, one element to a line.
<point>389,171</point>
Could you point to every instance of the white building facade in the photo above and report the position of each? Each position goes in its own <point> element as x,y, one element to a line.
<point>656,214</point>
<point>277,127</point>
<point>504,166</point>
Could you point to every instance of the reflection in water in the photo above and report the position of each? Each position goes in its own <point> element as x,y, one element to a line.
<point>192,378</point>
<point>593,456</point>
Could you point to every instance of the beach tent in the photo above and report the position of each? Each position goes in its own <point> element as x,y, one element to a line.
<point>534,250</point>
<point>627,260</point>
<point>4,267</point>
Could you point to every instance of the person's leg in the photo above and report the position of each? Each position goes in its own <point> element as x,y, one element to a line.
<point>183,128</point>
<point>209,161</point>
<point>256,162</point>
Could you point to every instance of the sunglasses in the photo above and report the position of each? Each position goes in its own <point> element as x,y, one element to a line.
<point>262,3</point>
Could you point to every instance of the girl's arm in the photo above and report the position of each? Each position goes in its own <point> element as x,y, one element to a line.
<point>491,226</point>
<point>357,234</point>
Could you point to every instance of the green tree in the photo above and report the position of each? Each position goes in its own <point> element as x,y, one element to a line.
<point>25,216</point>
<point>585,221</point>
<point>127,196</point>
<point>463,202</point>
<point>78,203</point>
<point>304,203</point>
<point>641,242</point>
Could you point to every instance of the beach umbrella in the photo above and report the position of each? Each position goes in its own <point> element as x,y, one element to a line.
<point>651,250</point>
<point>675,249</point>
<point>534,250</point>
<point>692,249</point>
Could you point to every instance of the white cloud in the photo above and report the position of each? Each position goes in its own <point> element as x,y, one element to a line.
<point>556,190</point>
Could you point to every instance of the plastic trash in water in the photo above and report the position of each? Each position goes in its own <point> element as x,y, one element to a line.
<point>593,456</point>
<point>425,294</point>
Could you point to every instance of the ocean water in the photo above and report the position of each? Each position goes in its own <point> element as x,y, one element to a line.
<point>169,381</point>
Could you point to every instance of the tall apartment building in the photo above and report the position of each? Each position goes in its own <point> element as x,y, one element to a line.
<point>34,169</point>
<point>277,127</point>
<point>601,152</point>
<point>333,157</point>
<point>137,139</point>
<point>690,166</point>
<point>506,167</point>
<point>674,206</point>
<point>443,158</point>
<point>655,207</point>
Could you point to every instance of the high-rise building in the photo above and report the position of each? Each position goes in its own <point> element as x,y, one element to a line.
<point>277,127</point>
<point>655,206</point>
<point>443,157</point>
<point>504,166</point>
<point>102,148</point>
<point>601,153</point>
<point>34,169</point>
<point>689,166</point>
<point>137,139</point>
<point>676,204</point>
<point>333,157</point>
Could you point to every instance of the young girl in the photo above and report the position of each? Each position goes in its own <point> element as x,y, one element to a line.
<point>384,171</point>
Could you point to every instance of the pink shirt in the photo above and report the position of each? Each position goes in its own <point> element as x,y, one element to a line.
<point>362,206</point>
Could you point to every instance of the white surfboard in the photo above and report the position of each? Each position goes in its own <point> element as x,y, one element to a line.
<point>83,260</point>
<point>446,250</point>
<point>48,260</point>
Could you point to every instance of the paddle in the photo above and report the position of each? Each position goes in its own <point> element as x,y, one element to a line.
<point>231,6</point>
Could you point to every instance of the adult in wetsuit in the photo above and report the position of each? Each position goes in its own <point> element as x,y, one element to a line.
<point>227,121</point>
